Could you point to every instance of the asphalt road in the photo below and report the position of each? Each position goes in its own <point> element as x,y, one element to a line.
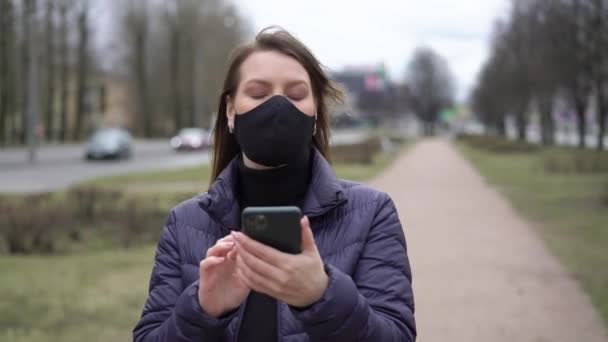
<point>58,167</point>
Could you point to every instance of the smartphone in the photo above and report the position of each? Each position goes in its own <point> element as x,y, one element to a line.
<point>278,227</point>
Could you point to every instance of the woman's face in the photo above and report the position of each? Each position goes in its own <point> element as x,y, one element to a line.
<point>265,74</point>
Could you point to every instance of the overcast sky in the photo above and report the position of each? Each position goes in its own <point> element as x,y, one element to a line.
<point>350,32</point>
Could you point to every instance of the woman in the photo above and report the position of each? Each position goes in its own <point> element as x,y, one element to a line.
<point>352,280</point>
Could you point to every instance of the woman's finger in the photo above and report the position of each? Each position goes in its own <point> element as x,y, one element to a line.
<point>308,239</point>
<point>226,238</point>
<point>261,251</point>
<point>210,262</point>
<point>256,281</point>
<point>257,265</point>
<point>232,255</point>
<point>220,248</point>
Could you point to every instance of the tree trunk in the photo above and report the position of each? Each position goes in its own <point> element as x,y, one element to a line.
<point>194,120</point>
<point>501,127</point>
<point>175,73</point>
<point>33,85</point>
<point>4,61</point>
<point>28,7</point>
<point>545,104</point>
<point>580,106</point>
<point>601,117</point>
<point>189,80</point>
<point>16,111</point>
<point>487,125</point>
<point>7,83</point>
<point>141,78</point>
<point>82,71</point>
<point>63,77</point>
<point>50,66</point>
<point>430,129</point>
<point>15,95</point>
<point>600,27</point>
<point>522,124</point>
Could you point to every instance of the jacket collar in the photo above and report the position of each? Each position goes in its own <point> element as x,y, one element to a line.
<point>323,194</point>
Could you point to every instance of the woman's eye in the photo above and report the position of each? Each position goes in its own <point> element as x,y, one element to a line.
<point>297,96</point>
<point>257,94</point>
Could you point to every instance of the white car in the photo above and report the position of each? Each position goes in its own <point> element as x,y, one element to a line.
<point>191,139</point>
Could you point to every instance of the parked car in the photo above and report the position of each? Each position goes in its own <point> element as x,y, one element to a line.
<point>109,143</point>
<point>191,139</point>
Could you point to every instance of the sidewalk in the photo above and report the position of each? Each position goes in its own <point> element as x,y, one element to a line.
<point>480,271</point>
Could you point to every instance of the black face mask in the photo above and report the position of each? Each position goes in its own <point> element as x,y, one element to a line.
<point>274,133</point>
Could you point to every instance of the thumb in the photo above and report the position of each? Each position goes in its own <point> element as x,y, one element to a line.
<point>308,239</point>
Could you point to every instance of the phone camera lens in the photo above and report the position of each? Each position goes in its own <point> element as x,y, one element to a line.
<point>260,222</point>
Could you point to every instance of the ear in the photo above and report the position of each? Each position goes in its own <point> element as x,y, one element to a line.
<point>230,111</point>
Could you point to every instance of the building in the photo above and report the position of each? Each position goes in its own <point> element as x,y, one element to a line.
<point>370,93</point>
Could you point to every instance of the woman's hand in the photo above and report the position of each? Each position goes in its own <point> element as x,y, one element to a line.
<point>220,290</point>
<point>296,279</point>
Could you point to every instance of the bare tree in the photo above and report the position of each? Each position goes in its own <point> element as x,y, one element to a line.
<point>180,87</point>
<point>431,85</point>
<point>135,27</point>
<point>190,15</point>
<point>7,65</point>
<point>598,23</point>
<point>174,30</point>
<point>533,28</point>
<point>543,69</point>
<point>28,11</point>
<point>82,68</point>
<point>63,64</point>
<point>49,107</point>
<point>488,98</point>
<point>222,29</point>
<point>510,76</point>
<point>182,20</point>
<point>572,42</point>
<point>545,49</point>
<point>578,31</point>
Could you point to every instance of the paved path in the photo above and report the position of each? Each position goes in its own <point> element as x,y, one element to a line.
<point>480,271</point>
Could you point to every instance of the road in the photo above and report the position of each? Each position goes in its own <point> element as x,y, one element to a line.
<point>58,167</point>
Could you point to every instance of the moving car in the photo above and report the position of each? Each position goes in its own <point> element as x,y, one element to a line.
<point>191,139</point>
<point>109,143</point>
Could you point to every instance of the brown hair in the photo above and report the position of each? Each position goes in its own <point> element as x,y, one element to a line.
<point>272,39</point>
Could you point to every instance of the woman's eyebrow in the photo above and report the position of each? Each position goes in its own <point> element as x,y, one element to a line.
<point>256,80</point>
<point>265,82</point>
<point>296,83</point>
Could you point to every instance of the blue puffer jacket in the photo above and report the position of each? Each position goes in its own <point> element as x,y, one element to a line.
<point>359,237</point>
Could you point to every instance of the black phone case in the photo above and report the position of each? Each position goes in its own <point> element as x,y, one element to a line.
<point>278,227</point>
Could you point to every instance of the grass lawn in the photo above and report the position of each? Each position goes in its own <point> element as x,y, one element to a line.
<point>98,295</point>
<point>200,175</point>
<point>197,174</point>
<point>569,209</point>
<point>363,172</point>
<point>73,298</point>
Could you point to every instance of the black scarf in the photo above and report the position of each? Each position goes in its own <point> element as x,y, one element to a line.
<point>285,185</point>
